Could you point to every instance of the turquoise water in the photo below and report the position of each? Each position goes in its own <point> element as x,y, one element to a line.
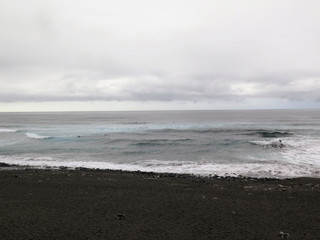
<point>198,142</point>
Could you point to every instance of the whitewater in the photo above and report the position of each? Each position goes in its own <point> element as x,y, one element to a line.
<point>223,143</point>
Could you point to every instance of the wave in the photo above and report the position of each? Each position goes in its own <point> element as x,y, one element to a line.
<point>270,144</point>
<point>296,150</point>
<point>269,134</point>
<point>135,123</point>
<point>274,134</point>
<point>150,144</point>
<point>236,131</point>
<point>36,136</point>
<point>8,130</point>
<point>161,142</point>
<point>258,170</point>
<point>145,127</point>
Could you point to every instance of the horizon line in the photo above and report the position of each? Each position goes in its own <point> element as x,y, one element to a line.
<point>165,110</point>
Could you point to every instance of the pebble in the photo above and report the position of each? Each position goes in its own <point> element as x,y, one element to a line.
<point>284,235</point>
<point>120,216</point>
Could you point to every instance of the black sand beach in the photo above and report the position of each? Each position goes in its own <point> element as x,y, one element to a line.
<point>94,204</point>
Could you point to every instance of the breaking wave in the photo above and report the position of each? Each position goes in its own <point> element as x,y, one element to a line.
<point>8,130</point>
<point>300,150</point>
<point>36,136</point>
<point>259,170</point>
<point>274,143</point>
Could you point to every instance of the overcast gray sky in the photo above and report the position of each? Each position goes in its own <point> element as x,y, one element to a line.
<point>159,54</point>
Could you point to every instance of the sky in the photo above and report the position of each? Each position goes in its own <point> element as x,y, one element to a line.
<point>62,55</point>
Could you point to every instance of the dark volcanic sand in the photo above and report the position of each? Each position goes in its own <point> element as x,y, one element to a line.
<point>83,204</point>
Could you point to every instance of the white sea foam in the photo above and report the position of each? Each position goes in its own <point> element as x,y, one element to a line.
<point>259,170</point>
<point>274,143</point>
<point>295,150</point>
<point>8,130</point>
<point>36,136</point>
<point>304,151</point>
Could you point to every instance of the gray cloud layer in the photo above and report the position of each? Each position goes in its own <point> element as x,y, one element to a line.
<point>159,50</point>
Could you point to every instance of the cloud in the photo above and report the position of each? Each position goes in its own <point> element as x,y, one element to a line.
<point>159,50</point>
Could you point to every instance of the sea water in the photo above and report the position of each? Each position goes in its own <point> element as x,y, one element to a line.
<point>224,143</point>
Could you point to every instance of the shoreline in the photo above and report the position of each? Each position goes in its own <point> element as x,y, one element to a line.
<point>10,167</point>
<point>114,204</point>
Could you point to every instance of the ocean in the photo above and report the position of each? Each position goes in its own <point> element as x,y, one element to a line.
<point>223,143</point>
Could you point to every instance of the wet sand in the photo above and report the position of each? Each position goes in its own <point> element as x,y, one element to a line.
<point>94,204</point>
